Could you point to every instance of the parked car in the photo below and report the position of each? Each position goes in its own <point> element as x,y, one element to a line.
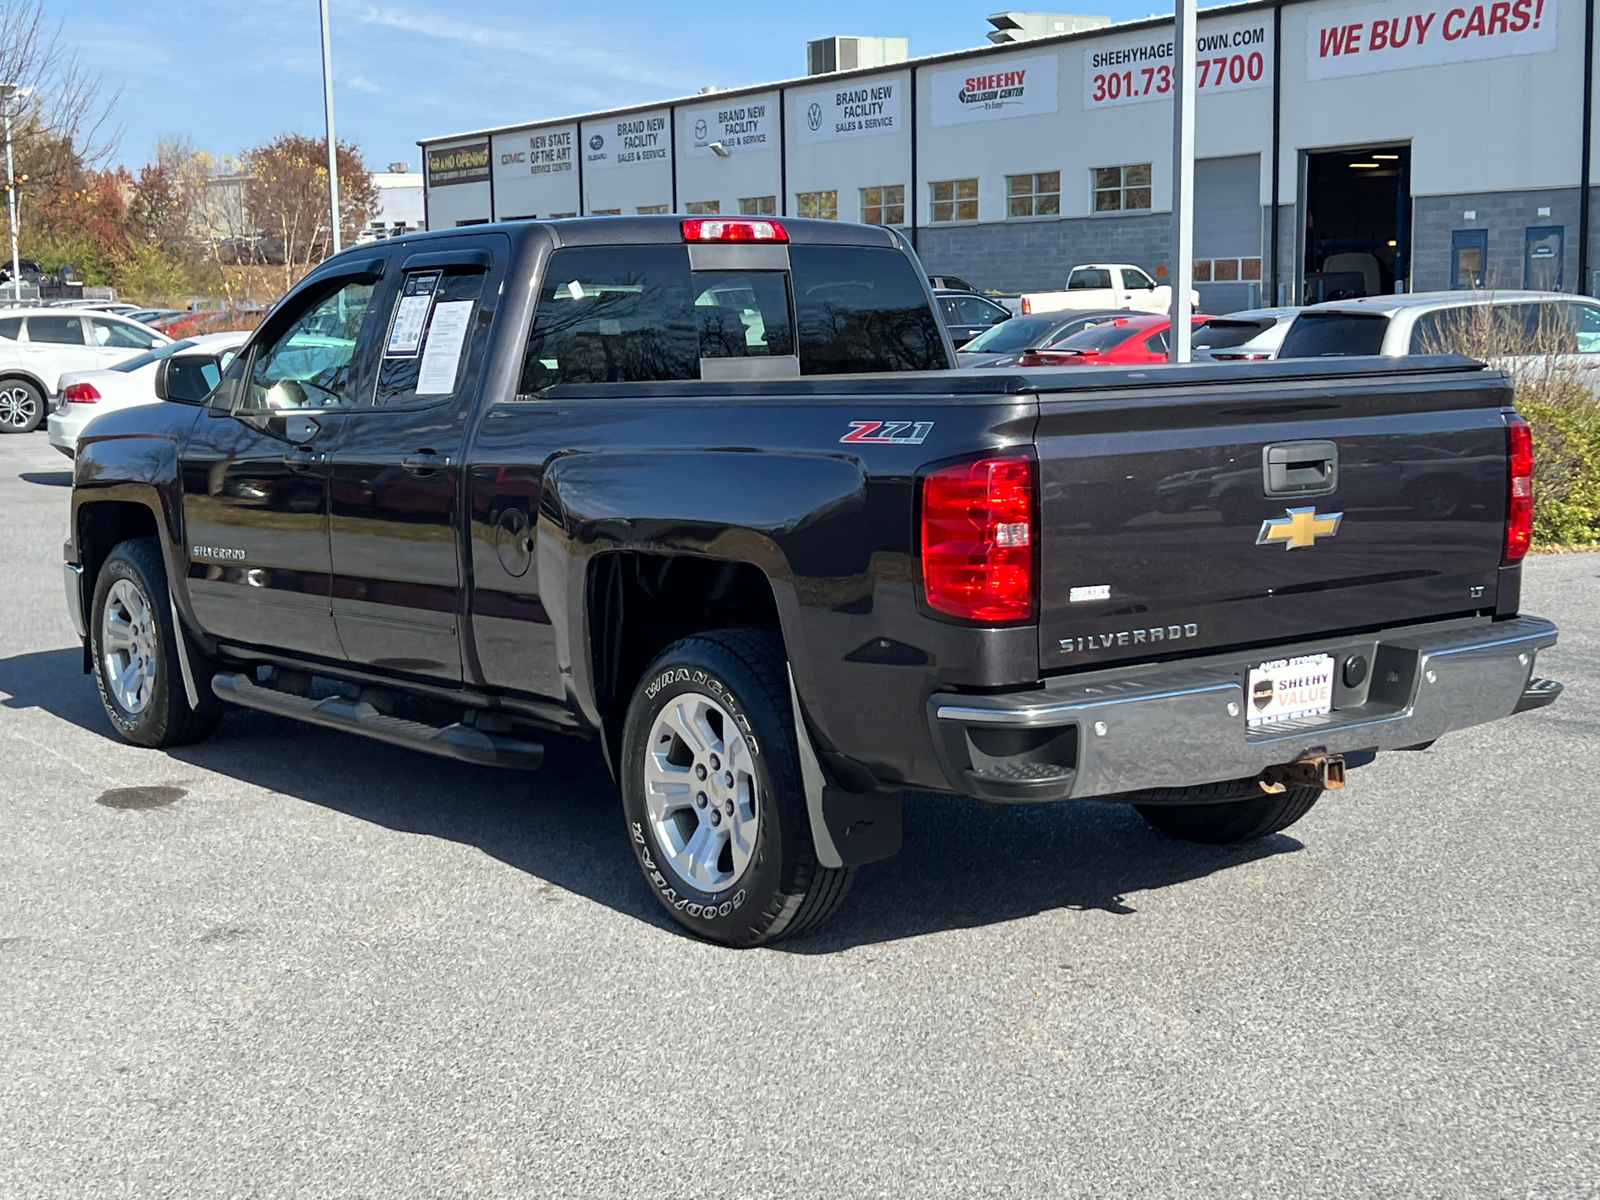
<point>38,346</point>
<point>1123,340</point>
<point>785,580</point>
<point>1100,285</point>
<point>950,283</point>
<point>1250,336</point>
<point>967,314</point>
<point>1424,322</point>
<point>1004,343</point>
<point>182,371</point>
<point>148,316</point>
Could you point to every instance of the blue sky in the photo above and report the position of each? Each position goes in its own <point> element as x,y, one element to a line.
<point>231,74</point>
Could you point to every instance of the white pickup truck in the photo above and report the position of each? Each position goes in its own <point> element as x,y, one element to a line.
<point>1099,285</point>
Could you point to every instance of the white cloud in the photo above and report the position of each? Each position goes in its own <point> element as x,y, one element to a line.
<point>360,83</point>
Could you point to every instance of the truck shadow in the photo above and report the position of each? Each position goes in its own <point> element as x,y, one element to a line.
<point>962,866</point>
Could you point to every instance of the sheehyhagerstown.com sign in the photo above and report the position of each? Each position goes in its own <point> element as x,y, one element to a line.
<point>1390,37</point>
<point>857,108</point>
<point>1017,87</point>
<point>1230,56</point>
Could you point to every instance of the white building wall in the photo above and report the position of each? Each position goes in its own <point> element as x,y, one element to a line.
<point>627,161</point>
<point>849,134</point>
<point>747,129</point>
<point>535,172</point>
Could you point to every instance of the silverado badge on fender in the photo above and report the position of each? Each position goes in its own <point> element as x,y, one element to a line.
<point>1301,528</point>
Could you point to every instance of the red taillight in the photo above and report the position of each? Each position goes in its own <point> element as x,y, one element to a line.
<point>697,229</point>
<point>977,539</point>
<point>1026,306</point>
<point>1050,358</point>
<point>81,393</point>
<point>1519,490</point>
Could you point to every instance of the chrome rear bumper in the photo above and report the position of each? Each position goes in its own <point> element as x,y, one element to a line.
<point>1181,724</point>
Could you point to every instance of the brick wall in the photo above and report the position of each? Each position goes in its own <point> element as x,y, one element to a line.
<point>1506,216</point>
<point>1035,256</point>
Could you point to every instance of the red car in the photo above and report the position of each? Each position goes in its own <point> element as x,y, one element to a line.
<point>1134,340</point>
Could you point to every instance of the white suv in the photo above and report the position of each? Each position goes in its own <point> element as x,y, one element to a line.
<point>38,346</point>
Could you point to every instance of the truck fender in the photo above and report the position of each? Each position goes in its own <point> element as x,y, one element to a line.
<point>784,514</point>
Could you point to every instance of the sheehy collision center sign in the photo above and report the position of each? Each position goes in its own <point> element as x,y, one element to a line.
<point>1386,37</point>
<point>1014,87</point>
<point>1230,56</point>
<point>855,108</point>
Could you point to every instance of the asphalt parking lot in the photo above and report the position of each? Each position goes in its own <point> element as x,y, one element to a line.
<point>297,963</point>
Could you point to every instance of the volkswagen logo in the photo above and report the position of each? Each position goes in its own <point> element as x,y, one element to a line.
<point>700,130</point>
<point>596,142</point>
<point>814,117</point>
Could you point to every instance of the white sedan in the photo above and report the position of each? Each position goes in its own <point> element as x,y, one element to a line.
<point>183,371</point>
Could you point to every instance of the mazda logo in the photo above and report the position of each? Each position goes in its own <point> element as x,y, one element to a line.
<point>700,131</point>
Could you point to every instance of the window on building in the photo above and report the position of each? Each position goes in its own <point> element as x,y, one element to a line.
<point>1036,195</point>
<point>822,205</point>
<point>758,206</point>
<point>955,200</point>
<point>558,216</point>
<point>884,205</point>
<point>1121,189</point>
<point>701,208</point>
<point>605,212</point>
<point>1227,270</point>
<point>645,210</point>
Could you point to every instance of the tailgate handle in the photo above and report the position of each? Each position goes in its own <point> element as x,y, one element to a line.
<point>1300,468</point>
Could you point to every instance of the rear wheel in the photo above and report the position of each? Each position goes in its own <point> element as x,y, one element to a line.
<point>1218,813</point>
<point>135,651</point>
<point>21,406</point>
<point>712,793</point>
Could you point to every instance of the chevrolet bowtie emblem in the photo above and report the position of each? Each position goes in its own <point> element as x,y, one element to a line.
<point>1301,528</point>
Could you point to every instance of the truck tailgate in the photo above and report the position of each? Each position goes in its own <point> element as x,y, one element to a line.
<point>1188,514</point>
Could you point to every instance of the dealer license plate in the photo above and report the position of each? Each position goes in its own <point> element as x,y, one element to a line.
<point>1291,687</point>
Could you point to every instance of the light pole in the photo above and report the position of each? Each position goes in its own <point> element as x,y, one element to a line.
<point>327,103</point>
<point>1183,71</point>
<point>7,92</point>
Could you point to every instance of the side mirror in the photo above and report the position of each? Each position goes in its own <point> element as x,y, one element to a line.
<point>161,378</point>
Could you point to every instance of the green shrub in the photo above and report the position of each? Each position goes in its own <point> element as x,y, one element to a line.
<point>1566,442</point>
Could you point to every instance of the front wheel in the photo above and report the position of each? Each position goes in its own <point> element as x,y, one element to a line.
<point>1218,813</point>
<point>21,406</point>
<point>712,793</point>
<point>134,645</point>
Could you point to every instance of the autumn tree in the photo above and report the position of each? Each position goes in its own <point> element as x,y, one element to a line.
<point>287,196</point>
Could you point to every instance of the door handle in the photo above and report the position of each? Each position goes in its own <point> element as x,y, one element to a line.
<point>425,462</point>
<point>1300,468</point>
<point>301,458</point>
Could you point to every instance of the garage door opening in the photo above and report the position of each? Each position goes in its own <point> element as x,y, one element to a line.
<point>1358,222</point>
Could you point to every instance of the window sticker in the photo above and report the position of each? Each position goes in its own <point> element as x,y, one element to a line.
<point>412,316</point>
<point>447,335</point>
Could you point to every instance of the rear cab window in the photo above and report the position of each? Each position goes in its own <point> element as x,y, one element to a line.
<point>1088,279</point>
<point>1334,334</point>
<point>634,314</point>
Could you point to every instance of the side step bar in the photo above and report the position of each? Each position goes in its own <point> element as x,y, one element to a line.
<point>461,742</point>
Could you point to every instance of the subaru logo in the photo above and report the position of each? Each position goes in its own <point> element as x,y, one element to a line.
<point>596,142</point>
<point>814,117</point>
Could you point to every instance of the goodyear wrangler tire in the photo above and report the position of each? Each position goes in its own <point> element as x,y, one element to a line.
<point>1219,813</point>
<point>712,793</point>
<point>135,653</point>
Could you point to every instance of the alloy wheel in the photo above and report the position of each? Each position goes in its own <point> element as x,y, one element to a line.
<point>701,792</point>
<point>128,647</point>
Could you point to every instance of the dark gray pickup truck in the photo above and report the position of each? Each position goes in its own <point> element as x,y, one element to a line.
<point>710,491</point>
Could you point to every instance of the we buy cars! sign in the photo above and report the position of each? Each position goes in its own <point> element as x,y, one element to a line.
<point>1387,37</point>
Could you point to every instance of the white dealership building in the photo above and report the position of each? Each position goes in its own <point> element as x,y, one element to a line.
<point>1341,147</point>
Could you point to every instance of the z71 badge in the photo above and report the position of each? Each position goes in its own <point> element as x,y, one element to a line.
<point>891,433</point>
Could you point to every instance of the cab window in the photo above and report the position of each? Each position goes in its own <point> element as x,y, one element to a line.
<point>56,331</point>
<point>430,336</point>
<point>614,314</point>
<point>308,365</point>
<point>1586,320</point>
<point>1137,281</point>
<point>10,328</point>
<point>861,308</point>
<point>1088,279</point>
<point>741,314</point>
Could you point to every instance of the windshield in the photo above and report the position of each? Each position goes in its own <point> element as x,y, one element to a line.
<point>150,356</point>
<point>1320,335</point>
<point>1016,334</point>
<point>1103,337</point>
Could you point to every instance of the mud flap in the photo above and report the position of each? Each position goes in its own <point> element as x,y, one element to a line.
<point>849,829</point>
